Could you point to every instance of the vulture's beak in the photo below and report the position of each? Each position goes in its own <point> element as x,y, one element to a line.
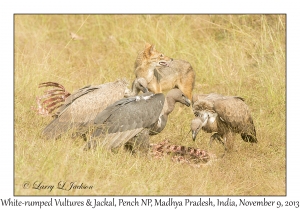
<point>194,135</point>
<point>196,126</point>
<point>187,102</point>
<point>144,89</point>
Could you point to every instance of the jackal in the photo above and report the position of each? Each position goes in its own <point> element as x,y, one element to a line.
<point>163,73</point>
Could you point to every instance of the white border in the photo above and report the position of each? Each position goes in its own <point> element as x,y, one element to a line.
<point>112,7</point>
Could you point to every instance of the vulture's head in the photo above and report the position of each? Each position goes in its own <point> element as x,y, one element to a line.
<point>141,84</point>
<point>178,96</point>
<point>197,124</point>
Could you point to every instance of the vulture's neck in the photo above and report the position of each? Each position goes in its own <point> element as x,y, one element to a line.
<point>134,89</point>
<point>168,106</point>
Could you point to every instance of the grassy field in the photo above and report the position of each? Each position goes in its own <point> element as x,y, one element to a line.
<point>242,55</point>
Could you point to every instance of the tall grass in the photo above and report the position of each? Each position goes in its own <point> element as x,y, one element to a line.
<point>240,55</point>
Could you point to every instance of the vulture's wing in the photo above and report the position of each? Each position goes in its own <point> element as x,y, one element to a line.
<point>207,101</point>
<point>74,96</point>
<point>159,126</point>
<point>203,105</point>
<point>81,108</point>
<point>206,98</point>
<point>234,112</point>
<point>197,97</point>
<point>127,117</point>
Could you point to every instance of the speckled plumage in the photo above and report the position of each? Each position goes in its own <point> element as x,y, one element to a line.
<point>81,107</point>
<point>223,115</point>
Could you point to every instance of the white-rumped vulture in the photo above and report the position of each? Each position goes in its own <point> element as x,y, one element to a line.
<point>81,107</point>
<point>223,116</point>
<point>56,97</point>
<point>134,118</point>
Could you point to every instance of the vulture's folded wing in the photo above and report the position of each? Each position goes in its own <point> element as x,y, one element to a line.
<point>125,118</point>
<point>81,108</point>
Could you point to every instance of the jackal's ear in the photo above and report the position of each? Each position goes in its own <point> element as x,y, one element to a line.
<point>152,48</point>
<point>147,45</point>
<point>148,50</point>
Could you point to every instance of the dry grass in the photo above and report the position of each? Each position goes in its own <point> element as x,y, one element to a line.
<point>232,54</point>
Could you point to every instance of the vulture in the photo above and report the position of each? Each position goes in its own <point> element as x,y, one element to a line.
<point>81,107</point>
<point>223,116</point>
<point>139,84</point>
<point>131,120</point>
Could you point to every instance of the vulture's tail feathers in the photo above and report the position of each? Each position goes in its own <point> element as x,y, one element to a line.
<point>249,138</point>
<point>56,128</point>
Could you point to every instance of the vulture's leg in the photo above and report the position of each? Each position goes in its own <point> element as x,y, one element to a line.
<point>140,142</point>
<point>229,140</point>
<point>81,135</point>
<point>92,144</point>
<point>215,137</point>
<point>221,139</point>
